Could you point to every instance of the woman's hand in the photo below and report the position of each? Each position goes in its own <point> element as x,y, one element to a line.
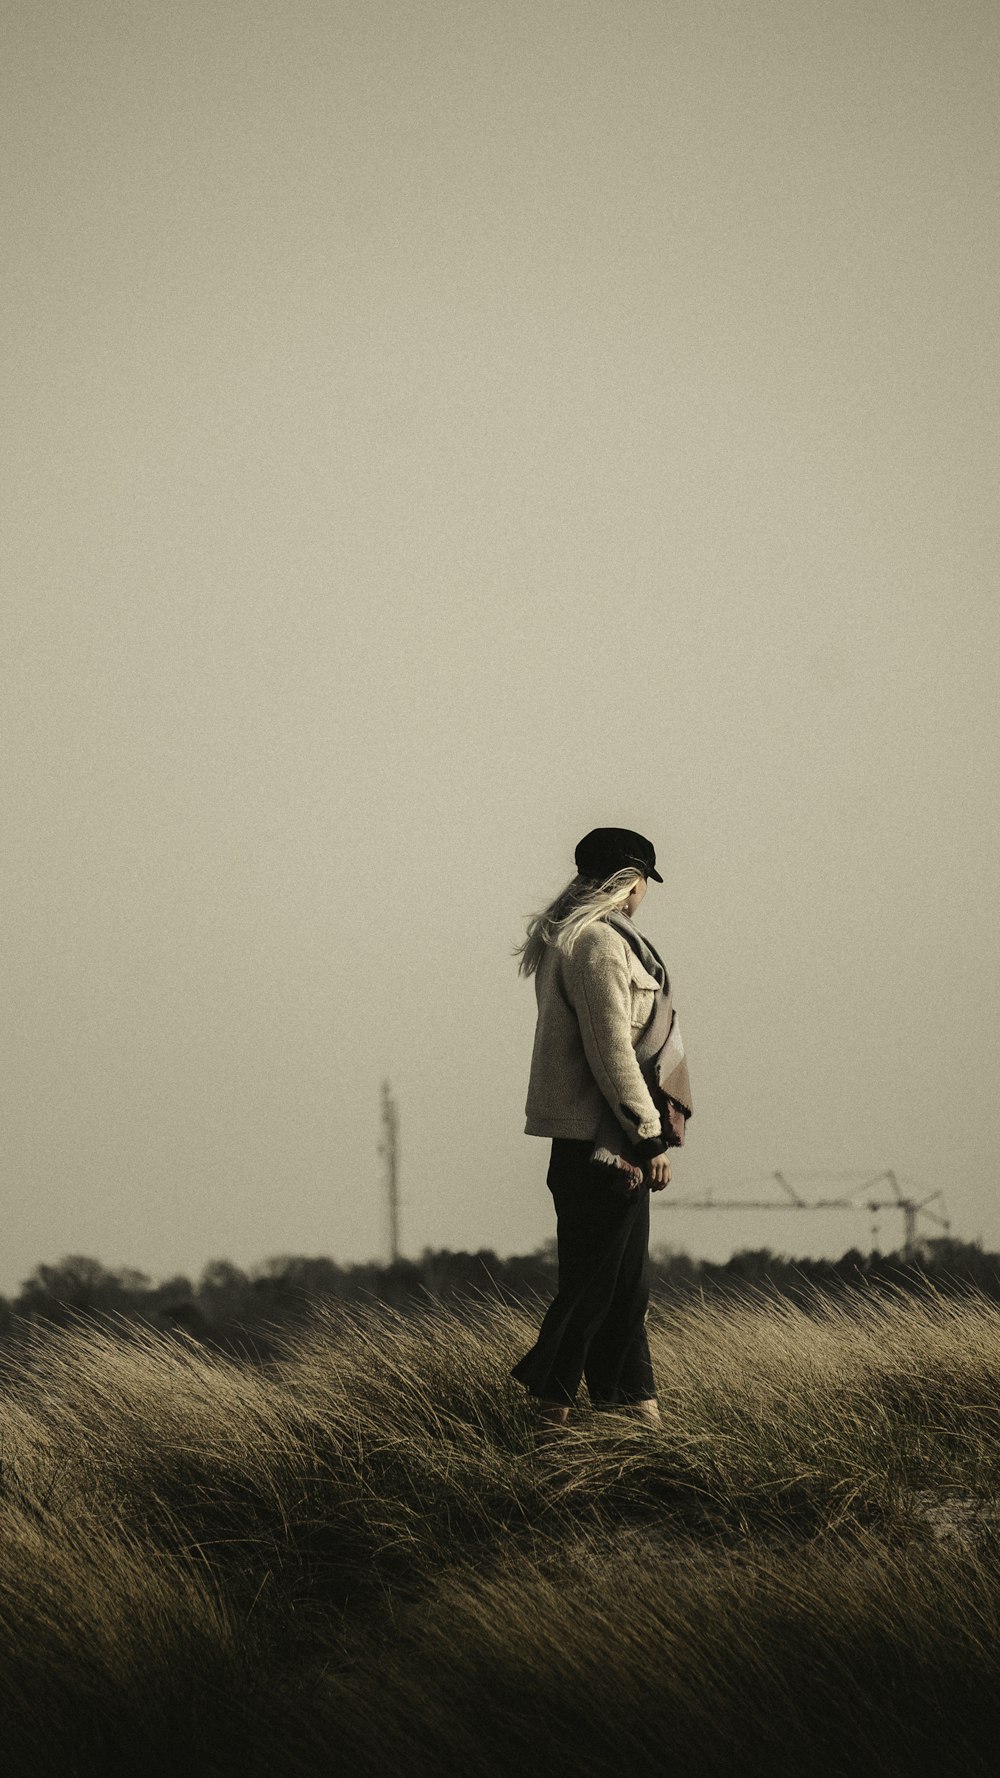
<point>659,1172</point>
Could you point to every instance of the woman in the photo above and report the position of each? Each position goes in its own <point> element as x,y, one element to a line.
<point>609,1085</point>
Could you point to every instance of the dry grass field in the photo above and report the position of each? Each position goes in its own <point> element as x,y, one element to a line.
<point>353,1561</point>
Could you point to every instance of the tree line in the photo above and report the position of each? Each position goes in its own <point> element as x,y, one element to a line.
<point>243,1312</point>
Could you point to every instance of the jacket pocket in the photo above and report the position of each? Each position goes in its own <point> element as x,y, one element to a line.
<point>643,988</point>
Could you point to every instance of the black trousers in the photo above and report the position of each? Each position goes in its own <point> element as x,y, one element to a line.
<point>596,1325</point>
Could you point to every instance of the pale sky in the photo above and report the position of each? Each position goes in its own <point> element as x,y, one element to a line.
<point>435,428</point>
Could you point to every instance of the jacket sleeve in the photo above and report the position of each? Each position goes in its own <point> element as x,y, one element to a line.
<point>597,981</point>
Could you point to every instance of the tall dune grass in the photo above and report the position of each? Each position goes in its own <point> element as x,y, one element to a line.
<point>354,1561</point>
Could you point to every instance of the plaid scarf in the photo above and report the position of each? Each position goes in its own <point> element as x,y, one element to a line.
<point>661,1057</point>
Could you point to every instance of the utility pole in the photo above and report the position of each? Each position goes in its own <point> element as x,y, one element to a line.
<point>389,1147</point>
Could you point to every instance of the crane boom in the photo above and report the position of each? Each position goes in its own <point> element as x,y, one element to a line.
<point>911,1208</point>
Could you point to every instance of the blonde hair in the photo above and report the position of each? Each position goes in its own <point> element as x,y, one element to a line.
<point>578,905</point>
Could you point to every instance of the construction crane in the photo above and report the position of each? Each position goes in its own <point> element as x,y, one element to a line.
<point>389,1147</point>
<point>861,1199</point>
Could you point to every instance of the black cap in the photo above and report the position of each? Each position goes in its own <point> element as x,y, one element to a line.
<point>605,850</point>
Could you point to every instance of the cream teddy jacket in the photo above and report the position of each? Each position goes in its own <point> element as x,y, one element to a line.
<point>592,1007</point>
